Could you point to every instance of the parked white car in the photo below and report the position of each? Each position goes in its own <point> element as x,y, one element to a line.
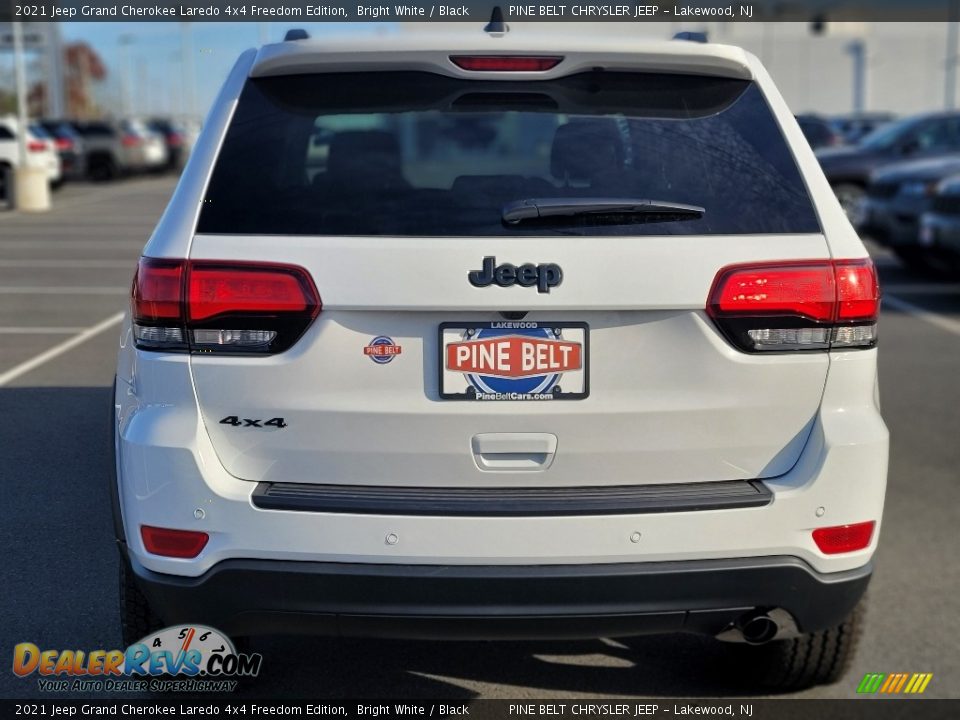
<point>554,337</point>
<point>41,148</point>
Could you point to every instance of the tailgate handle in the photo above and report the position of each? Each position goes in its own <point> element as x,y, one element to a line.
<point>512,452</point>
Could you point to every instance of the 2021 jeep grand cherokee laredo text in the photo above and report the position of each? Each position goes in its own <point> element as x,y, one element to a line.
<point>503,337</point>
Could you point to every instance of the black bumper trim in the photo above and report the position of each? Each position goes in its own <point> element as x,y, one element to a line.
<point>510,501</point>
<point>248,597</point>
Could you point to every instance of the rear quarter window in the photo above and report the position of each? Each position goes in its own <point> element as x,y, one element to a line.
<point>409,153</point>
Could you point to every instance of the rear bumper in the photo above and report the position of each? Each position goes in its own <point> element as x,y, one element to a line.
<point>249,597</point>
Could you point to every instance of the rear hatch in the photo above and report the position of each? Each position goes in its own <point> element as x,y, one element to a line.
<point>514,279</point>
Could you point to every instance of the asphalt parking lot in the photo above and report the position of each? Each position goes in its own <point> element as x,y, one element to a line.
<point>64,280</point>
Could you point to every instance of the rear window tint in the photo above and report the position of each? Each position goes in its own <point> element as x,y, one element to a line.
<point>409,153</point>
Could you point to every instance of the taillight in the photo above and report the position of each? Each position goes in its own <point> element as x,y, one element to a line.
<point>210,306</point>
<point>173,543</point>
<point>36,146</point>
<point>64,144</point>
<point>174,139</point>
<point>789,306</point>
<point>844,538</point>
<point>130,141</point>
<point>505,63</point>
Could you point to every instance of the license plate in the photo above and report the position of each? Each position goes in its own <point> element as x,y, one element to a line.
<point>514,360</point>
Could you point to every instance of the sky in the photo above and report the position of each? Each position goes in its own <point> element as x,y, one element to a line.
<point>154,55</point>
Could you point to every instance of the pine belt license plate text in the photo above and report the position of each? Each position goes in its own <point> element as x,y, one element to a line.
<point>514,360</point>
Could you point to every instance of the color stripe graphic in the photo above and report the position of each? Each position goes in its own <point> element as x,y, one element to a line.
<point>894,683</point>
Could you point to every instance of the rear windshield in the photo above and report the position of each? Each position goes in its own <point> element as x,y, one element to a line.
<point>410,153</point>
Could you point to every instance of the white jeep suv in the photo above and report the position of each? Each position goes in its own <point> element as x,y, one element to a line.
<point>503,336</point>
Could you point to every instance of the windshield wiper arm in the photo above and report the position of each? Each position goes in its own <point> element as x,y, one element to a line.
<point>518,211</point>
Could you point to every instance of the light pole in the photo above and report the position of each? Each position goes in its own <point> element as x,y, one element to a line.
<point>858,51</point>
<point>31,189</point>
<point>189,73</point>
<point>126,102</point>
<point>950,76</point>
<point>20,78</point>
<point>53,53</point>
<point>176,98</point>
<point>144,81</point>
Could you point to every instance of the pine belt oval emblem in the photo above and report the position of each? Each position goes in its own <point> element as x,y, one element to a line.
<point>382,349</point>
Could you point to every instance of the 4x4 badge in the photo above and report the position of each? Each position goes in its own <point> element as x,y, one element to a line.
<point>544,276</point>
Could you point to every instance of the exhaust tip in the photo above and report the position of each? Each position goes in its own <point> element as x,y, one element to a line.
<point>758,629</point>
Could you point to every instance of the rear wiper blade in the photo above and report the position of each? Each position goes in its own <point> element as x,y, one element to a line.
<point>532,209</point>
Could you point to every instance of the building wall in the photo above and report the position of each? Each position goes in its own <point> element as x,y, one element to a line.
<point>906,62</point>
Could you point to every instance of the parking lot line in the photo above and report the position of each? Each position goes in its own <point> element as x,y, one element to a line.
<point>935,319</point>
<point>71,264</point>
<point>46,243</point>
<point>55,290</point>
<point>58,350</point>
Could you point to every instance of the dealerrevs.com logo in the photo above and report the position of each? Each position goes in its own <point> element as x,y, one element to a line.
<point>182,658</point>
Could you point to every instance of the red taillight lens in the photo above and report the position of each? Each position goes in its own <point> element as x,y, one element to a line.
<point>175,139</point>
<point>504,63</point>
<point>809,305</point>
<point>844,538</point>
<point>209,306</point>
<point>64,144</point>
<point>216,291</point>
<point>36,146</point>
<point>858,290</point>
<point>173,543</point>
<point>802,290</point>
<point>158,290</point>
<point>130,140</point>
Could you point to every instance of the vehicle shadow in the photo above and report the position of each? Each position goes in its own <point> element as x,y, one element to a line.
<point>655,666</point>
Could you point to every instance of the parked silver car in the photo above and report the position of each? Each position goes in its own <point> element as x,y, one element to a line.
<point>118,147</point>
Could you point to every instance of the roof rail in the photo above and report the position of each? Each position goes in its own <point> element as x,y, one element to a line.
<point>296,34</point>
<point>699,37</point>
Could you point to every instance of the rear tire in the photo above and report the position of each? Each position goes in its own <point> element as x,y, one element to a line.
<point>137,618</point>
<point>817,658</point>
<point>102,168</point>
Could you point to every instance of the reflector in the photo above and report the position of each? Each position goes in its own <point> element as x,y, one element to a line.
<point>173,543</point>
<point>844,538</point>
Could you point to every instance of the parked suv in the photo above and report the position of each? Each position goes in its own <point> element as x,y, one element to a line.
<point>940,226</point>
<point>548,339</point>
<point>921,136</point>
<point>69,147</point>
<point>114,148</point>
<point>40,147</point>
<point>897,197</point>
